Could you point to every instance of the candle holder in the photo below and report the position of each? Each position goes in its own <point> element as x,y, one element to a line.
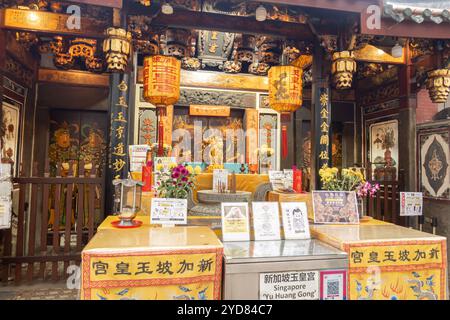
<point>130,192</point>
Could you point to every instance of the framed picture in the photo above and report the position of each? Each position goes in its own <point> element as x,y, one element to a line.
<point>266,220</point>
<point>295,220</point>
<point>10,122</point>
<point>383,145</point>
<point>434,163</point>
<point>235,221</point>
<point>335,207</point>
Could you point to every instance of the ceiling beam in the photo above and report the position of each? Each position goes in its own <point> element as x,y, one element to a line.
<point>340,5</point>
<point>101,3</point>
<point>236,24</point>
<point>48,23</point>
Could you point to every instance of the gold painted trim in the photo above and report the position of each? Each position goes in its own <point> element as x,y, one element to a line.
<point>370,53</point>
<point>78,78</point>
<point>207,110</point>
<point>219,80</point>
<point>47,22</point>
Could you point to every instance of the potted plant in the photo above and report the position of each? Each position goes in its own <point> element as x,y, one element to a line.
<point>177,182</point>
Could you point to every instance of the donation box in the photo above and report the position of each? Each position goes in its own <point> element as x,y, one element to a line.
<point>284,270</point>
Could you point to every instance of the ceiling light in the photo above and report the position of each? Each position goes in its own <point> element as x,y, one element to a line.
<point>166,8</point>
<point>397,51</point>
<point>261,13</point>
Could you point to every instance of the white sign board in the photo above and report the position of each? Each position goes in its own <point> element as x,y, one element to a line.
<point>295,220</point>
<point>266,220</point>
<point>168,211</point>
<point>411,203</point>
<point>235,221</point>
<point>276,178</point>
<point>220,177</point>
<point>138,155</point>
<point>6,187</point>
<point>292,285</point>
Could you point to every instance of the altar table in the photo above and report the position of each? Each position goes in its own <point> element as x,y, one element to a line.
<point>387,261</point>
<point>148,263</point>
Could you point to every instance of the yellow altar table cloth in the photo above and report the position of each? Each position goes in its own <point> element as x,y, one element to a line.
<point>204,181</point>
<point>149,263</point>
<point>387,261</point>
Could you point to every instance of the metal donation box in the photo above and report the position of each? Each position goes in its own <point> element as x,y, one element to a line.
<point>284,269</point>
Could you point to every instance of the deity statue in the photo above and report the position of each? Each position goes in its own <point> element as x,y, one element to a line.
<point>62,149</point>
<point>213,150</point>
<point>93,148</point>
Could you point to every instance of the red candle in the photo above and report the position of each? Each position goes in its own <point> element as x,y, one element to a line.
<point>297,181</point>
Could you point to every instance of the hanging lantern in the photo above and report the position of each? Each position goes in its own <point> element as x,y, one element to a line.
<point>342,68</point>
<point>285,88</point>
<point>161,87</point>
<point>117,48</point>
<point>438,85</point>
<point>285,95</point>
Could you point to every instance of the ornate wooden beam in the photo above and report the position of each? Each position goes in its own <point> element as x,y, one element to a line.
<point>228,23</point>
<point>370,53</point>
<point>101,3</point>
<point>75,78</point>
<point>208,79</point>
<point>48,23</point>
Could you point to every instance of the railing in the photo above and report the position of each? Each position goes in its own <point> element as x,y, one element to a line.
<point>59,223</point>
<point>386,203</point>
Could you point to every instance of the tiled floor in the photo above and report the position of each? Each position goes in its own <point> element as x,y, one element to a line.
<point>38,291</point>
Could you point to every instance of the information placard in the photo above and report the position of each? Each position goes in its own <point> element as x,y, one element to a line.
<point>292,285</point>
<point>335,207</point>
<point>138,155</point>
<point>168,211</point>
<point>411,203</point>
<point>266,220</point>
<point>235,221</point>
<point>295,220</point>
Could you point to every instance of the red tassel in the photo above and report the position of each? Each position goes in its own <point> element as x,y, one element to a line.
<point>162,113</point>
<point>284,142</point>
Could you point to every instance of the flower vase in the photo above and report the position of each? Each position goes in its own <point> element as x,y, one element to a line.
<point>362,207</point>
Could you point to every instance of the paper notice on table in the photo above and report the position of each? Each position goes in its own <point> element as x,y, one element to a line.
<point>291,285</point>
<point>295,220</point>
<point>138,155</point>
<point>276,178</point>
<point>162,164</point>
<point>220,177</point>
<point>235,221</point>
<point>168,211</point>
<point>266,220</point>
<point>411,203</point>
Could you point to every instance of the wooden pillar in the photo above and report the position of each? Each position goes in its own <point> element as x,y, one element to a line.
<point>119,97</point>
<point>2,68</point>
<point>321,115</point>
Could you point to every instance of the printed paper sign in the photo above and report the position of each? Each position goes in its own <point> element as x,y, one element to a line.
<point>276,178</point>
<point>138,155</point>
<point>411,203</point>
<point>163,164</point>
<point>220,179</point>
<point>333,285</point>
<point>168,211</point>
<point>293,285</point>
<point>335,207</point>
<point>235,221</point>
<point>295,220</point>
<point>266,220</point>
